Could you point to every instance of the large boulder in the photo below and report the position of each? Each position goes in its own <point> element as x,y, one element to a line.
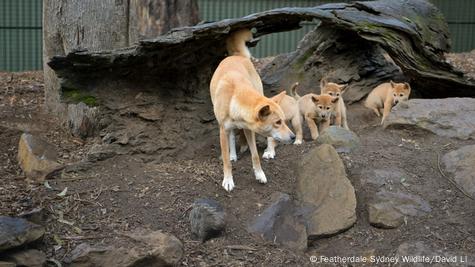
<point>389,209</point>
<point>37,158</point>
<point>278,223</point>
<point>207,219</point>
<point>460,164</point>
<point>154,249</point>
<point>15,232</point>
<point>449,117</point>
<point>327,196</point>
<point>343,140</point>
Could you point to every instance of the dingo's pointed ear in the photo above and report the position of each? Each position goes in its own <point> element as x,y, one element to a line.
<point>393,84</point>
<point>343,87</point>
<point>408,87</point>
<point>279,97</point>
<point>315,99</point>
<point>323,82</point>
<point>263,112</point>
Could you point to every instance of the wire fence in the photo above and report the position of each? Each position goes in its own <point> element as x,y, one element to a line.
<point>21,27</point>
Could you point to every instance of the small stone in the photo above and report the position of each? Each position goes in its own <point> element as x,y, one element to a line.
<point>207,219</point>
<point>279,223</point>
<point>15,232</point>
<point>341,139</point>
<point>384,215</point>
<point>37,158</point>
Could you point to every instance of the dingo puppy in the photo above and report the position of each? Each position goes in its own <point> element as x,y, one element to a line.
<point>336,90</point>
<point>292,113</point>
<point>239,103</point>
<point>387,95</point>
<point>317,108</point>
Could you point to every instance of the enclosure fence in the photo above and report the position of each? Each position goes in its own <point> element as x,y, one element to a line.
<point>21,27</point>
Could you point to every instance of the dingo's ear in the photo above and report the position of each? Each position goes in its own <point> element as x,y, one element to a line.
<point>408,87</point>
<point>315,99</point>
<point>343,87</point>
<point>393,84</point>
<point>334,99</point>
<point>323,83</point>
<point>279,97</point>
<point>263,112</point>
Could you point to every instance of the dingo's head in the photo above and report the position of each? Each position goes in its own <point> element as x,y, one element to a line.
<point>333,89</point>
<point>400,92</point>
<point>270,120</point>
<point>324,105</point>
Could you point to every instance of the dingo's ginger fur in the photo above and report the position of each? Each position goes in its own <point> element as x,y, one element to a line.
<point>316,109</point>
<point>239,103</point>
<point>291,111</point>
<point>336,90</point>
<point>387,95</point>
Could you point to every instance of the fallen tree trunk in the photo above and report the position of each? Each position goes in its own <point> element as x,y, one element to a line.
<point>413,33</point>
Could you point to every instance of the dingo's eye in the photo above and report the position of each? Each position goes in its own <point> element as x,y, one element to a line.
<point>320,107</point>
<point>337,94</point>
<point>279,122</point>
<point>330,93</point>
<point>401,95</point>
<point>328,108</point>
<point>395,95</point>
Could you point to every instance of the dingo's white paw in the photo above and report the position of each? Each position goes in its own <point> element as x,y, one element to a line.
<point>228,184</point>
<point>233,157</point>
<point>298,142</point>
<point>260,176</point>
<point>268,154</point>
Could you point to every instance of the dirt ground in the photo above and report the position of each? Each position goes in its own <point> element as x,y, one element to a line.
<point>124,193</point>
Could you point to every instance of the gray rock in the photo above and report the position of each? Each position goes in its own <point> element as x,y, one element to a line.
<point>15,232</point>
<point>388,209</point>
<point>460,164</point>
<point>154,249</point>
<point>207,219</point>
<point>327,196</point>
<point>448,117</point>
<point>37,158</point>
<point>382,177</point>
<point>7,264</point>
<point>30,258</point>
<point>278,223</point>
<point>343,140</point>
<point>384,215</point>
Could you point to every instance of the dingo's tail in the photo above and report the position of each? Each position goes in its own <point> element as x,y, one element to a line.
<point>293,91</point>
<point>236,43</point>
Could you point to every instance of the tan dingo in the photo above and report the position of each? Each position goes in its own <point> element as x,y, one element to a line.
<point>238,103</point>
<point>292,114</point>
<point>336,90</point>
<point>387,95</point>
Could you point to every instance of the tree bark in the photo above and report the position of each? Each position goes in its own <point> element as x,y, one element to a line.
<point>95,25</point>
<point>156,17</point>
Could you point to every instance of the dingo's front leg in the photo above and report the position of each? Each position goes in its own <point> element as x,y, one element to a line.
<point>297,125</point>
<point>228,182</point>
<point>387,109</point>
<point>232,146</point>
<point>256,164</point>
<point>269,153</point>
<point>312,126</point>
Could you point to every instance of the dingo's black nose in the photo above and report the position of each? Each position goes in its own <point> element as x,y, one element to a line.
<point>323,116</point>
<point>396,101</point>
<point>292,137</point>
